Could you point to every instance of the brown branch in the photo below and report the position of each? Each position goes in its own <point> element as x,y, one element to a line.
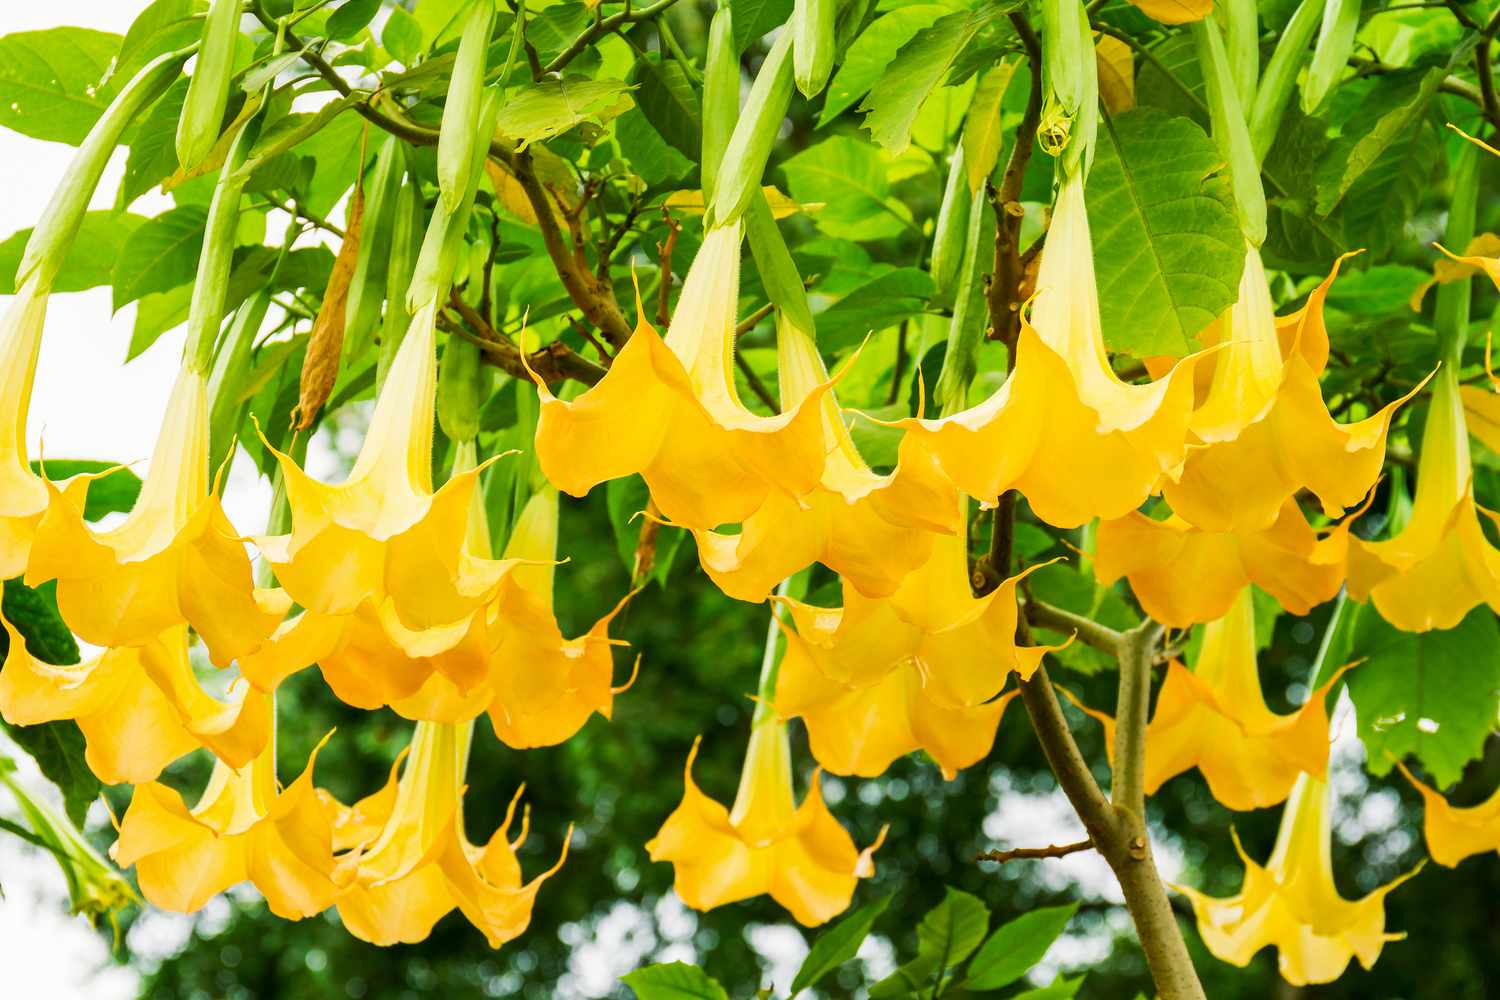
<point>601,27</point>
<point>1002,295</point>
<point>552,363</point>
<point>756,385</point>
<point>664,270</point>
<point>1027,853</point>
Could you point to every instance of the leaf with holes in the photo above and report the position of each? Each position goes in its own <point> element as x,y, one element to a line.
<point>1167,250</point>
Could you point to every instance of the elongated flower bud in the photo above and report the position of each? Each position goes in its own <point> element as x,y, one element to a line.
<point>227,380</point>
<point>778,272</point>
<point>462,386</point>
<point>749,148</point>
<point>1331,53</point>
<point>406,242</point>
<point>367,287</point>
<point>1073,79</point>
<point>812,44</point>
<point>208,91</point>
<point>460,129</point>
<point>952,225</point>
<point>721,96</point>
<point>445,232</point>
<point>1231,130</point>
<point>1281,75</point>
<point>64,213</point>
<point>211,285</point>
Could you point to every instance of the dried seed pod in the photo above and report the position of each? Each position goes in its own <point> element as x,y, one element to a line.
<point>320,366</point>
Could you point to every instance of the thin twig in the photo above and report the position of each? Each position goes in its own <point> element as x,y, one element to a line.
<point>601,27</point>
<point>751,321</point>
<point>1088,631</point>
<point>1025,853</point>
<point>756,385</point>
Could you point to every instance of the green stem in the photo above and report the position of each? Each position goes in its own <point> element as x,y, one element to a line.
<point>1275,89</point>
<point>1451,315</point>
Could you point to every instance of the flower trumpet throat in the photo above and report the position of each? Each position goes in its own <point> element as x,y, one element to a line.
<point>1262,429</point>
<point>1293,904</point>
<point>408,861</point>
<point>1440,565</point>
<point>1063,429</point>
<point>175,558</point>
<point>384,534</point>
<point>871,529</point>
<point>669,410</point>
<point>767,844</point>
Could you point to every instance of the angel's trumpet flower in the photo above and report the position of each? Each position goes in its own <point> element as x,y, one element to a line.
<point>383,535</point>
<point>139,707</point>
<point>1293,903</point>
<point>766,844</point>
<point>922,669</point>
<point>1064,429</point>
<point>175,558</point>
<point>410,862</point>
<point>1440,564</point>
<point>1185,576</point>
<point>1456,832</point>
<point>669,410</point>
<point>1214,718</point>
<point>244,827</point>
<point>23,494</point>
<point>1265,430</point>
<point>870,529</point>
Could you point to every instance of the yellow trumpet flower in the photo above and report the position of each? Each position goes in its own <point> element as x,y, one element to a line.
<point>1185,576</point>
<point>139,707</point>
<point>1293,903</point>
<point>409,861</point>
<point>766,844</point>
<point>1064,430</point>
<point>244,828</point>
<point>1214,718</point>
<point>669,410</point>
<point>23,495</point>
<point>1456,832</point>
<point>1440,564</point>
<point>383,534</point>
<point>175,558</point>
<point>920,670</point>
<point>870,529</point>
<point>1265,430</point>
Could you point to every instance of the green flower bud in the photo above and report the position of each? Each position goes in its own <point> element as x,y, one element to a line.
<point>952,226</point>
<point>1331,53</point>
<point>721,97</point>
<point>208,90</point>
<point>812,44</point>
<point>367,287</point>
<point>749,148</point>
<point>460,127</point>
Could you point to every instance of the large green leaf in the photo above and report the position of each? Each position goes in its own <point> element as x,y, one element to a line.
<point>1167,250</point>
<point>872,52</point>
<point>917,71</point>
<point>165,25</point>
<point>153,147</point>
<point>91,258</point>
<point>57,747</point>
<point>669,102</point>
<point>160,254</point>
<point>947,935</point>
<point>1383,200</point>
<point>651,157</point>
<point>851,179</point>
<point>1431,695</point>
<point>1393,105</point>
<point>52,83</point>
<point>1016,946</point>
<point>887,300</point>
<point>753,18</point>
<point>838,944</point>
<point>549,108</point>
<point>673,981</point>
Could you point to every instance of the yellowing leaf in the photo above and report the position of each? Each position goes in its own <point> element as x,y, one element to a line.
<point>1116,74</point>
<point>691,202</point>
<point>1175,11</point>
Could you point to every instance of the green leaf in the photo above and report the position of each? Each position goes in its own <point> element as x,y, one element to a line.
<point>626,498</point>
<point>91,258</point>
<point>153,147</point>
<point>1385,116</point>
<point>838,944</point>
<point>652,159</point>
<point>549,108</point>
<point>917,71</point>
<point>161,254</point>
<point>1167,249</point>
<point>1376,291</point>
<point>1016,946</point>
<point>887,300</point>
<point>753,18</point>
<point>52,82</point>
<point>852,181</point>
<point>1432,695</point>
<point>871,53</point>
<point>953,929</point>
<point>669,102</point>
<point>1058,989</point>
<point>351,18</point>
<point>1386,196</point>
<point>164,26</point>
<point>57,747</point>
<point>336,149</point>
<point>674,981</point>
<point>111,494</point>
<point>402,37</point>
